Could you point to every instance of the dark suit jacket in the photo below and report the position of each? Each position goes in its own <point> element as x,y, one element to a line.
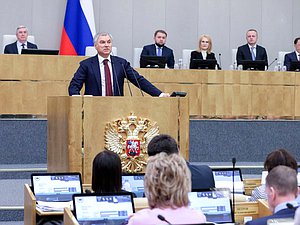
<point>244,53</point>
<point>88,73</point>
<point>167,52</point>
<point>198,55</point>
<point>284,213</point>
<point>288,58</point>
<point>13,49</point>
<point>202,176</point>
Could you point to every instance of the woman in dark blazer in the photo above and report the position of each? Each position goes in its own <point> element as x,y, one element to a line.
<point>204,50</point>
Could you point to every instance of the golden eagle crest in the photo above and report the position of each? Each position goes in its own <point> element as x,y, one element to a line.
<point>129,138</point>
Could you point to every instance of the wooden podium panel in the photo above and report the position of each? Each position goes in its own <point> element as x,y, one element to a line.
<point>64,148</point>
<point>170,114</point>
<point>76,126</point>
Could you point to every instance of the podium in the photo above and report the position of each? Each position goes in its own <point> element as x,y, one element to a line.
<point>76,126</point>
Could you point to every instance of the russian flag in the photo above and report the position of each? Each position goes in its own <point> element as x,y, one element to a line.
<point>79,27</point>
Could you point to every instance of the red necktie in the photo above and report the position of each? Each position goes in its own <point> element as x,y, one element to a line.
<point>108,86</point>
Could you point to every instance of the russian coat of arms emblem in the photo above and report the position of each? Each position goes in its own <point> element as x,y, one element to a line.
<point>129,138</point>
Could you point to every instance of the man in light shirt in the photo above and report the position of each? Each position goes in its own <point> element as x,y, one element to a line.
<point>21,43</point>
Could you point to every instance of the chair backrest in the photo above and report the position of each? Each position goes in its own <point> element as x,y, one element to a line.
<point>281,55</point>
<point>11,38</point>
<point>186,57</point>
<point>233,55</point>
<point>136,57</point>
<point>91,51</point>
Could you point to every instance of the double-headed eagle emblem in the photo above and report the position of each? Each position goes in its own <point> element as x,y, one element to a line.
<point>129,138</point>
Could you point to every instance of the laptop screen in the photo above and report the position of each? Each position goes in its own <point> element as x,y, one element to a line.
<point>113,208</point>
<point>134,183</point>
<point>214,204</point>
<point>223,179</point>
<point>55,187</point>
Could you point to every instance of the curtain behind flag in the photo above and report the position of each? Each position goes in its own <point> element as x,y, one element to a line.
<point>79,27</point>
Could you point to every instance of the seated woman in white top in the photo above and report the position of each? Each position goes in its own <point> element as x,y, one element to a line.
<point>167,184</point>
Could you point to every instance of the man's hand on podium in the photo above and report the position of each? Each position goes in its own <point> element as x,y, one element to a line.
<point>164,95</point>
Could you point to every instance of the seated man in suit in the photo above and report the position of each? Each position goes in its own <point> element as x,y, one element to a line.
<point>202,176</point>
<point>281,189</point>
<point>16,47</point>
<point>104,74</point>
<point>251,51</point>
<point>293,56</point>
<point>159,48</point>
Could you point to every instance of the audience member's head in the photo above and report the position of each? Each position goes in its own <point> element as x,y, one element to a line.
<point>107,172</point>
<point>251,37</point>
<point>281,186</point>
<point>160,38</point>
<point>22,33</point>
<point>167,181</point>
<point>162,143</point>
<point>280,157</point>
<point>205,43</point>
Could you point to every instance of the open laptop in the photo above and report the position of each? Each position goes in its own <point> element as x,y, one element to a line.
<point>223,179</point>
<point>55,187</point>
<point>33,51</point>
<point>215,204</point>
<point>134,182</point>
<point>109,208</point>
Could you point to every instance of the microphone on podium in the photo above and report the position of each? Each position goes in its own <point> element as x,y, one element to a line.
<point>220,62</point>
<point>272,62</point>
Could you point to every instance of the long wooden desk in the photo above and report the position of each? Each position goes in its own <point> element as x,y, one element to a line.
<point>27,80</point>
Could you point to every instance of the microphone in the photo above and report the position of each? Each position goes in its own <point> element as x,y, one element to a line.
<point>115,75</point>
<point>162,218</point>
<point>272,62</point>
<point>133,72</point>
<point>127,79</point>
<point>290,206</point>
<point>220,62</point>
<point>233,195</point>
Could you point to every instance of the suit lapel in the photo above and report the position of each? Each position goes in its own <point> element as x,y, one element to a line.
<point>153,49</point>
<point>16,47</point>
<point>96,70</point>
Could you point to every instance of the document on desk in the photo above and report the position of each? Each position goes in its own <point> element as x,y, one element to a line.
<point>54,206</point>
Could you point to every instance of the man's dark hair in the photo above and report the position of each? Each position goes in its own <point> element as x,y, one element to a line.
<point>160,31</point>
<point>107,172</point>
<point>162,143</point>
<point>296,40</point>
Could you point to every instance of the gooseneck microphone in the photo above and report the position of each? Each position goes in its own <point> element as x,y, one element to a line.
<point>162,218</point>
<point>127,80</point>
<point>233,197</point>
<point>115,75</point>
<point>272,62</point>
<point>133,72</point>
<point>220,62</point>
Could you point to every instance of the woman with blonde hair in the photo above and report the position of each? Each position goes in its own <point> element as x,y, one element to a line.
<point>167,184</point>
<point>204,50</point>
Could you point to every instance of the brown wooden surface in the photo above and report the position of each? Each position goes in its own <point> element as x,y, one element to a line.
<point>27,80</point>
<point>29,206</point>
<point>98,111</point>
<point>64,147</point>
<point>263,208</point>
<point>69,218</point>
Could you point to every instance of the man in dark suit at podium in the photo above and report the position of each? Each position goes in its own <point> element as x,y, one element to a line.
<point>159,48</point>
<point>104,74</point>
<point>281,189</point>
<point>202,176</point>
<point>251,51</point>
<point>16,47</point>
<point>293,56</point>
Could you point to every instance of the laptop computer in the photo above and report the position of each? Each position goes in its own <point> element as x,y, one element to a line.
<point>33,51</point>
<point>134,182</point>
<point>215,204</point>
<point>223,179</point>
<point>55,187</point>
<point>108,208</point>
